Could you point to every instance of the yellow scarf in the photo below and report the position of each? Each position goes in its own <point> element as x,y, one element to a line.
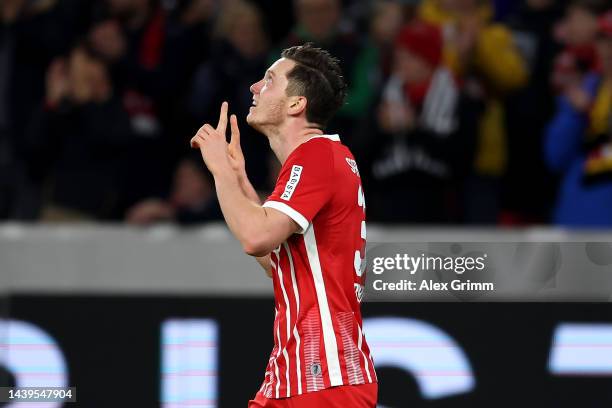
<point>600,112</point>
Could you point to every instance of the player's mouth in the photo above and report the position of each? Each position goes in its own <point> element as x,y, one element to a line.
<point>254,103</point>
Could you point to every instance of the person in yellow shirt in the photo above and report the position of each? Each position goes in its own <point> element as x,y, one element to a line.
<point>484,57</point>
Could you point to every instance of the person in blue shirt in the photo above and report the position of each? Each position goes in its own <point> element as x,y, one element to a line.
<point>578,143</point>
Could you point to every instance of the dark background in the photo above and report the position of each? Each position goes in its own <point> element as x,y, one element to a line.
<point>112,345</point>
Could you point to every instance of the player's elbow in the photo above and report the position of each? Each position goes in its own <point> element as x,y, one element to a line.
<point>255,251</point>
<point>260,240</point>
<point>256,247</point>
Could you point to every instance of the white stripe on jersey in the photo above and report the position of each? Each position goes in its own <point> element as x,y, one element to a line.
<point>329,337</point>
<point>289,212</point>
<point>365,359</point>
<point>352,356</point>
<point>286,355</point>
<point>372,361</point>
<point>295,331</point>
<point>267,392</point>
<point>288,318</point>
<point>276,377</point>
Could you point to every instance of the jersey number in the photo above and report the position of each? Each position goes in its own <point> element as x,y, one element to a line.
<point>360,253</point>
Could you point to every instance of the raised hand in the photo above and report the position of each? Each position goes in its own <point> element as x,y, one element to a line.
<point>58,85</point>
<point>221,125</point>
<point>79,75</point>
<point>212,143</point>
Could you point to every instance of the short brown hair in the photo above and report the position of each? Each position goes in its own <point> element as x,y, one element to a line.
<point>318,77</point>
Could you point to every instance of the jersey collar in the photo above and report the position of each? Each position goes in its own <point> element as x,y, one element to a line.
<point>333,138</point>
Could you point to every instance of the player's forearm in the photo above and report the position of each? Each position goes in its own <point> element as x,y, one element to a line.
<point>249,191</point>
<point>247,188</point>
<point>264,261</point>
<point>245,219</point>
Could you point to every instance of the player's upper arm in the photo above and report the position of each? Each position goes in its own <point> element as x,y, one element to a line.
<point>302,190</point>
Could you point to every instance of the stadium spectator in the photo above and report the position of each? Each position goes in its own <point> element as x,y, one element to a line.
<point>323,23</point>
<point>373,63</point>
<point>486,59</point>
<point>148,63</point>
<point>579,143</point>
<point>425,135</point>
<point>374,66</point>
<point>192,199</point>
<point>239,54</point>
<point>528,111</point>
<point>169,64</point>
<point>32,33</point>
<point>387,18</point>
<point>577,31</point>
<point>78,138</point>
<point>144,44</point>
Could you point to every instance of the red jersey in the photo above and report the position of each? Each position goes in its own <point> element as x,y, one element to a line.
<point>319,273</point>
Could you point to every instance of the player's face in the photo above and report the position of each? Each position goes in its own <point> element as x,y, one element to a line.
<point>269,96</point>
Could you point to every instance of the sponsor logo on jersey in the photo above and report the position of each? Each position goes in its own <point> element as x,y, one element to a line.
<point>294,179</point>
<point>353,165</point>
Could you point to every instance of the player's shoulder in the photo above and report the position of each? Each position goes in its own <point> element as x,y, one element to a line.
<point>329,150</point>
<point>322,143</point>
<point>318,148</point>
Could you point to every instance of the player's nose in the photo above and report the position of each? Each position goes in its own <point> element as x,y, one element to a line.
<point>256,87</point>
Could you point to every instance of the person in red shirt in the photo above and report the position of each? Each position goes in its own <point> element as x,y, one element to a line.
<point>309,235</point>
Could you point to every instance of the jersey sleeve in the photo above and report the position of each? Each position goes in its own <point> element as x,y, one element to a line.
<point>304,183</point>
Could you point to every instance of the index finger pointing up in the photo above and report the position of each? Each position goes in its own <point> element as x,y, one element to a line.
<point>222,125</point>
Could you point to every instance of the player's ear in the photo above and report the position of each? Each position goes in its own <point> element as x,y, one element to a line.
<point>297,105</point>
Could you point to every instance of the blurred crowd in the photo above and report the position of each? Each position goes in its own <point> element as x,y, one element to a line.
<point>488,112</point>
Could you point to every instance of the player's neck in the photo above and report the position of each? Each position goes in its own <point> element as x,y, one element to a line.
<point>287,138</point>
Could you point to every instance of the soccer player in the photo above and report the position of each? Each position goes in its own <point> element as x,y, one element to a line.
<point>309,235</point>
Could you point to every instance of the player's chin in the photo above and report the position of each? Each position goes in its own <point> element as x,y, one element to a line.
<point>251,119</point>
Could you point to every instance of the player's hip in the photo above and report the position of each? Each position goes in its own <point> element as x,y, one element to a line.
<point>354,396</point>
